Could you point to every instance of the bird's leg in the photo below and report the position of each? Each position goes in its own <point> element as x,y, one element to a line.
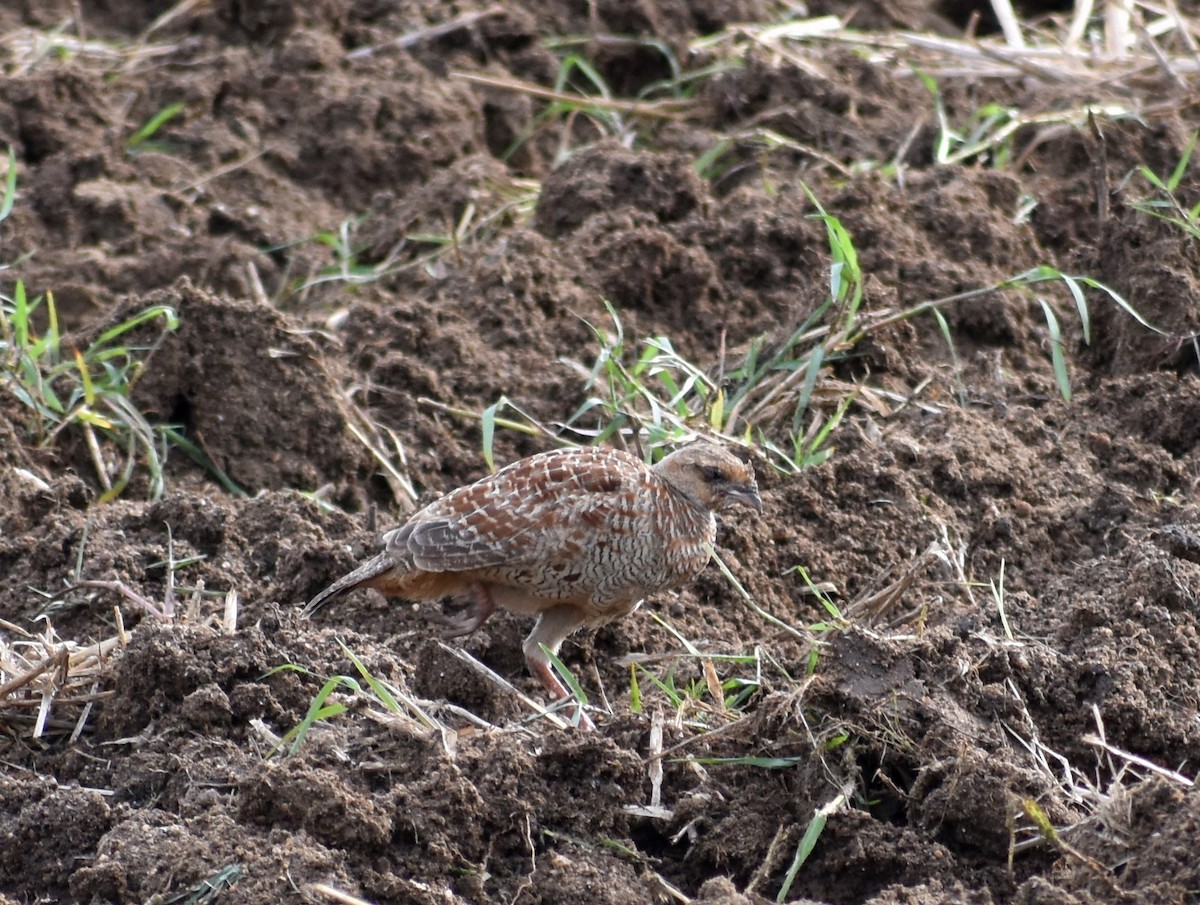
<point>552,628</point>
<point>475,613</point>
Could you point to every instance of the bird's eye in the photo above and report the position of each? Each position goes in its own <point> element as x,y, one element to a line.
<point>713,473</point>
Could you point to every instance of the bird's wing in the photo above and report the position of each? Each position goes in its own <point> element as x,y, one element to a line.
<point>534,509</point>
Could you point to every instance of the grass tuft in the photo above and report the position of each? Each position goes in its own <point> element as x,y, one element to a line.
<point>382,700</point>
<point>87,391</point>
<point>1167,206</point>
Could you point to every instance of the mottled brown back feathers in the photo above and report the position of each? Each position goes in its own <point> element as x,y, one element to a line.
<point>592,527</point>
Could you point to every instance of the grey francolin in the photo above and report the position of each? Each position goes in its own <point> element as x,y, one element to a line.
<point>576,537</point>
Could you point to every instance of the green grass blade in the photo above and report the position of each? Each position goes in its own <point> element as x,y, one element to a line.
<point>1122,303</point>
<point>944,329</point>
<point>706,162</point>
<point>318,710</point>
<point>1180,168</point>
<point>380,689</point>
<point>808,842</point>
<point>678,635</point>
<point>10,185</point>
<point>635,691</point>
<point>572,683</point>
<point>487,426</point>
<point>166,312</point>
<point>849,279</point>
<point>152,125</point>
<point>575,61</point>
<point>942,150</point>
<point>1151,177</point>
<point>20,316</point>
<point>667,687</point>
<point>1056,351</point>
<point>812,372</point>
<point>1045,273</point>
<point>845,275</point>
<point>286,667</point>
<point>52,333</point>
<point>1080,306</point>
<point>119,485</point>
<point>767,763</point>
<point>85,379</point>
<point>716,412</point>
<point>829,606</point>
<point>175,436</point>
<point>817,453</point>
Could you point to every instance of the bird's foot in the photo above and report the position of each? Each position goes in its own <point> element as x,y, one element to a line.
<point>470,616</point>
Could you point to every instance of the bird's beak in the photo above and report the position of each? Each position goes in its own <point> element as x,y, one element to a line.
<point>746,495</point>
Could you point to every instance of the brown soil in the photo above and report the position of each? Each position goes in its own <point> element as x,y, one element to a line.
<point>946,721</point>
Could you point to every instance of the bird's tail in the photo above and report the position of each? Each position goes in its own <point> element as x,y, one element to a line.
<point>363,575</point>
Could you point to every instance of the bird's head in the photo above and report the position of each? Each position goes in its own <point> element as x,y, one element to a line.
<point>712,476</point>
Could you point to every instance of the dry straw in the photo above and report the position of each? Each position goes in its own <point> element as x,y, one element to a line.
<point>49,684</point>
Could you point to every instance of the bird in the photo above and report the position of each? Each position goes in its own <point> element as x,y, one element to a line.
<point>576,537</point>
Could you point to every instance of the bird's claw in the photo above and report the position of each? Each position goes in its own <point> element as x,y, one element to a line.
<point>470,616</point>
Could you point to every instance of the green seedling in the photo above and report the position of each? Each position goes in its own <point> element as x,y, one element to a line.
<point>85,390</point>
<point>1168,207</point>
<point>777,398</point>
<point>89,390</point>
<point>684,85</point>
<point>735,151</point>
<point>674,85</point>
<point>419,248</point>
<point>729,694</point>
<point>142,139</point>
<point>345,249</point>
<point>808,842</point>
<point>606,119</point>
<point>1043,275</point>
<point>345,267</point>
<point>677,697</point>
<point>988,132</point>
<point>319,709</point>
<point>372,691</point>
<point>655,398</point>
<point>787,381</point>
<point>836,621</point>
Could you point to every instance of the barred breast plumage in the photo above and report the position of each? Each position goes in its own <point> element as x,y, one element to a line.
<point>575,536</point>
